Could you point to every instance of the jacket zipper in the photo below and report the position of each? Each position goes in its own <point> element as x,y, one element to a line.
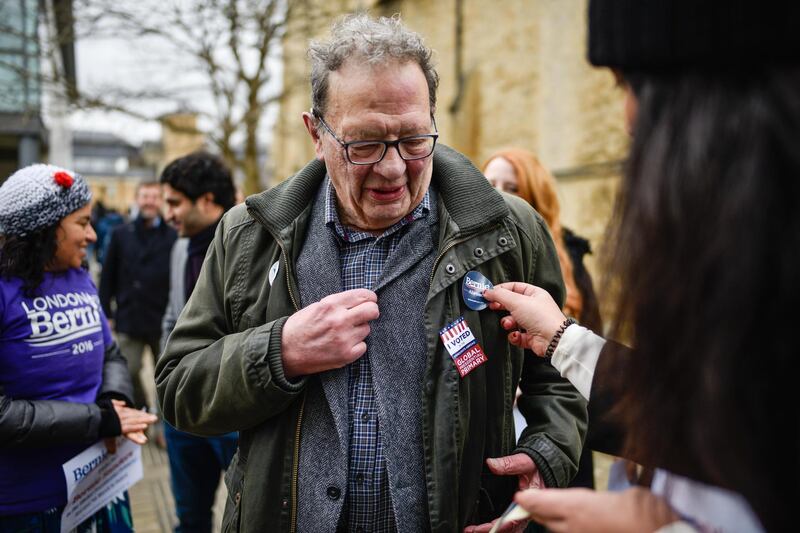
<point>296,466</point>
<point>296,453</point>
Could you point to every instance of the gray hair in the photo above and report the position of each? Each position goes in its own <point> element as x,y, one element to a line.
<point>373,42</point>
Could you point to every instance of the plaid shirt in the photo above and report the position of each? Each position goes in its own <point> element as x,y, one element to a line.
<point>363,255</point>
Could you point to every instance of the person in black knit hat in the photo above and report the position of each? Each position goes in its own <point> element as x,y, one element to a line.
<point>705,252</point>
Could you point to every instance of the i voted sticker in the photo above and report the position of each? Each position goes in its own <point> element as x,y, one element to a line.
<point>472,290</point>
<point>462,346</point>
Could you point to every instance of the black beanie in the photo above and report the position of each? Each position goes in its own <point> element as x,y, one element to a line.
<point>648,35</point>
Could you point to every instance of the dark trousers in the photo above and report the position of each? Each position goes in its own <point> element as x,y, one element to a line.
<point>196,464</point>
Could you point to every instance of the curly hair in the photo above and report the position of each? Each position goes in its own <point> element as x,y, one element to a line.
<point>372,42</point>
<point>27,257</point>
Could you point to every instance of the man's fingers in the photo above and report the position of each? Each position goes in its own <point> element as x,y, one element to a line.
<point>359,350</point>
<point>518,463</point>
<point>351,298</point>
<point>363,312</point>
<point>480,528</point>
<point>360,332</point>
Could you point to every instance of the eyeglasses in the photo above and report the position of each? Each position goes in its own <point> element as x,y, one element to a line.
<point>371,152</point>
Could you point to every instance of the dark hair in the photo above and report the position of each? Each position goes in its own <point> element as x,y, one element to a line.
<point>199,173</point>
<point>707,256</point>
<point>27,257</point>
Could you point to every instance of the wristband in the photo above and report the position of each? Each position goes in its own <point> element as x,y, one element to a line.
<point>557,337</point>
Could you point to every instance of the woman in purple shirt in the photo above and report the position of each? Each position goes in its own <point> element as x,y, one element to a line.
<point>63,382</point>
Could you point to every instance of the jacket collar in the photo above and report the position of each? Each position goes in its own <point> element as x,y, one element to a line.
<point>467,196</point>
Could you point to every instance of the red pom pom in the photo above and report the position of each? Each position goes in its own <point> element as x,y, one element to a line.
<point>63,179</point>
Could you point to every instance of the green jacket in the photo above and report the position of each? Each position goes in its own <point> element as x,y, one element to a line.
<point>221,370</point>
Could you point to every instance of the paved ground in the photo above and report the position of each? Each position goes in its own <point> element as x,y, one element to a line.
<point>151,499</point>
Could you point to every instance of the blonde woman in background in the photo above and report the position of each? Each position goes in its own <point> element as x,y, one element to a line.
<point>517,171</point>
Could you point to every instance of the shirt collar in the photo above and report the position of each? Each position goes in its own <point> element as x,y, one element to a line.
<point>350,234</point>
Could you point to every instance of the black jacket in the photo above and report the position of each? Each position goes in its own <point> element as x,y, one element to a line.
<point>577,247</point>
<point>42,423</point>
<point>136,276</point>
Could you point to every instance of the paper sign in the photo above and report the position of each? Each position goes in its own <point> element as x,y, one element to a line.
<point>95,478</point>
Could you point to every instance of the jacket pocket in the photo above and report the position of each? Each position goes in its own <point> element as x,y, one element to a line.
<point>494,495</point>
<point>234,481</point>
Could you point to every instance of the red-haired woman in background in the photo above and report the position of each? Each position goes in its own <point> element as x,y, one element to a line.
<point>517,171</point>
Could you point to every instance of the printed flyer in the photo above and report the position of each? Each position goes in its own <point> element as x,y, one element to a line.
<point>96,477</point>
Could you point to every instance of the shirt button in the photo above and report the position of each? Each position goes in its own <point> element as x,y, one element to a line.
<point>360,529</point>
<point>334,493</point>
<point>360,478</point>
<point>365,417</point>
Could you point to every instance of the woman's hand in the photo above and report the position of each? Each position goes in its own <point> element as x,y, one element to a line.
<point>133,422</point>
<point>533,311</point>
<point>566,510</point>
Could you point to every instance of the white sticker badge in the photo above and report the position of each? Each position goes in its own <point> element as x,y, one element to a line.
<point>273,272</point>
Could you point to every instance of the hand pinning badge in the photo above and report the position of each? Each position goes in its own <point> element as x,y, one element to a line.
<point>472,290</point>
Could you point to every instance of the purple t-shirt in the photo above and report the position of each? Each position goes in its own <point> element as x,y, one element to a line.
<point>52,347</point>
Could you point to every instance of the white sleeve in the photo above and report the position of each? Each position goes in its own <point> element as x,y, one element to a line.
<point>576,356</point>
<point>678,527</point>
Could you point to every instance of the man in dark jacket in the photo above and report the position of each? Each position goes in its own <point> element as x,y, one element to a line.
<point>329,325</point>
<point>198,189</point>
<point>135,281</point>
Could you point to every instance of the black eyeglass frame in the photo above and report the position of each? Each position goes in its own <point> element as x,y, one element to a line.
<point>386,144</point>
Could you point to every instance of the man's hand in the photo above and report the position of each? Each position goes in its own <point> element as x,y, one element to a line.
<point>328,334</point>
<point>565,510</point>
<point>532,310</point>
<point>521,465</point>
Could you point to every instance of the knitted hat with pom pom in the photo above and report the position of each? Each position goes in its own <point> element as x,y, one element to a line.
<point>38,196</point>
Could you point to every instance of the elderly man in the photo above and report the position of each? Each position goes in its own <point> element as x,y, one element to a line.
<point>330,327</point>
